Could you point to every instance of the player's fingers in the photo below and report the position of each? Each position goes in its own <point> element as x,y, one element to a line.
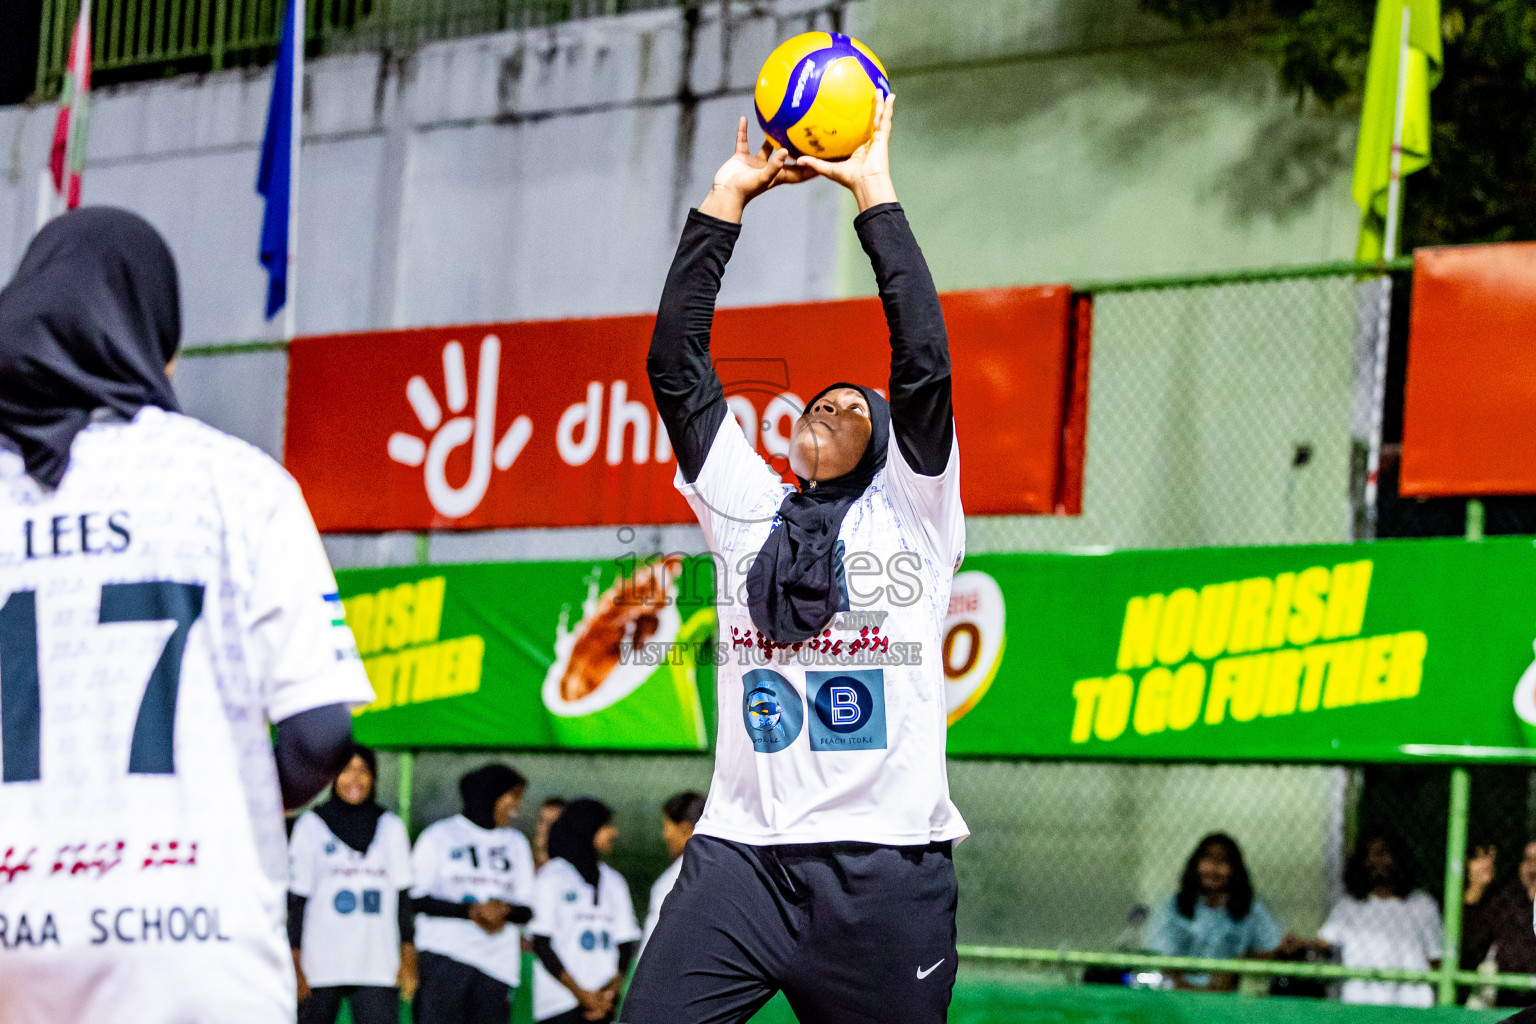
<point>883,116</point>
<point>818,165</point>
<point>741,137</point>
<point>767,151</point>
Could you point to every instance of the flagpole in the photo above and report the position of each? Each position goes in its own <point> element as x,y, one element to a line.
<point>295,146</point>
<point>1384,309</point>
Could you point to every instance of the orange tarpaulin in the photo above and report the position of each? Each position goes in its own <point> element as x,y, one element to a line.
<point>551,423</point>
<point>1469,408</point>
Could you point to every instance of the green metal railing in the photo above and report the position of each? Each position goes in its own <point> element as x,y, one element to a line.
<point>156,38</point>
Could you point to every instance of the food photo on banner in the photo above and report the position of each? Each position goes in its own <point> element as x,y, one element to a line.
<point>1404,651</point>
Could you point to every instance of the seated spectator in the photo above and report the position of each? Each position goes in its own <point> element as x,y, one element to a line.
<point>1384,922</point>
<point>1214,914</point>
<point>678,816</point>
<point>1497,920</point>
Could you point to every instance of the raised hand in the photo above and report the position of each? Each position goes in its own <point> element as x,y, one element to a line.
<point>747,175</point>
<point>1480,872</point>
<point>867,172</point>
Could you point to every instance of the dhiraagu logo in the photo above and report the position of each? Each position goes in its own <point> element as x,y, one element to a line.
<point>397,631</point>
<point>477,431</point>
<point>1236,651</point>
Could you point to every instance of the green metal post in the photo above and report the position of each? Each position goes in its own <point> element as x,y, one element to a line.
<point>1455,875</point>
<point>407,780</point>
<point>220,12</point>
<point>1474,519</point>
<point>43,61</point>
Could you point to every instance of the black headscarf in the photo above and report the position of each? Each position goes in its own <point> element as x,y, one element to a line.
<point>571,837</point>
<point>794,587</point>
<point>355,824</point>
<point>481,788</point>
<point>90,321</point>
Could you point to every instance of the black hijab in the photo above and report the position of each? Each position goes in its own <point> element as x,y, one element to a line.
<point>355,824</point>
<point>481,788</point>
<point>795,585</point>
<point>572,833</point>
<point>90,321</point>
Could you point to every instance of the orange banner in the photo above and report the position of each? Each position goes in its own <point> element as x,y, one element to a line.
<point>550,423</point>
<point>1470,398</point>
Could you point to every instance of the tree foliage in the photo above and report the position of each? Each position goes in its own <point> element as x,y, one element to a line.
<point>1480,185</point>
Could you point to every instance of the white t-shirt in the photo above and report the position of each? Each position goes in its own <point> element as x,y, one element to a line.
<point>351,919</point>
<point>659,892</point>
<point>174,597</point>
<point>1376,932</point>
<point>458,861</point>
<point>585,934</point>
<point>823,746</point>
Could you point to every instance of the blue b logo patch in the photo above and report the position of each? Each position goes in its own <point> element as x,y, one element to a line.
<point>850,709</point>
<point>772,710</point>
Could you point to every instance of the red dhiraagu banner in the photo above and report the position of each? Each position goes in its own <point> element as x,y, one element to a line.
<point>551,423</point>
<point>1470,400</point>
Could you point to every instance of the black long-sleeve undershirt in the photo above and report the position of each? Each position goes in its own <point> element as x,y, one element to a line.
<point>688,392</point>
<point>405,918</point>
<point>432,906</point>
<point>544,949</point>
<point>312,746</point>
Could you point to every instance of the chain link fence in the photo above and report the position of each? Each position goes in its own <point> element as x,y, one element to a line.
<point>146,39</point>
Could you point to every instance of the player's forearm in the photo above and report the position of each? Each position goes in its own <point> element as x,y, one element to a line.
<point>922,415</point>
<point>296,904</point>
<point>405,917</point>
<point>312,747</point>
<point>432,906</point>
<point>686,389</point>
<point>544,949</point>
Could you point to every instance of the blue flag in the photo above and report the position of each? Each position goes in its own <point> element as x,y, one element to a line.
<point>275,178</point>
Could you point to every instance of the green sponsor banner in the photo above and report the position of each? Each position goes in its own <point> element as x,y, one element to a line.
<point>583,655</point>
<point>1393,651</point>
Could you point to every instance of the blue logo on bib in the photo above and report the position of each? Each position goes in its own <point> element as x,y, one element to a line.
<point>850,709</point>
<point>345,902</point>
<point>772,710</point>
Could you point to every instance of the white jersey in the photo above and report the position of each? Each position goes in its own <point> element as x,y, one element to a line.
<point>458,861</point>
<point>158,611</point>
<point>1377,932</point>
<point>659,892</point>
<point>351,919</point>
<point>841,738</point>
<point>584,932</point>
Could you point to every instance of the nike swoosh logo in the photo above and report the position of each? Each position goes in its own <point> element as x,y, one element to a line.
<point>921,974</point>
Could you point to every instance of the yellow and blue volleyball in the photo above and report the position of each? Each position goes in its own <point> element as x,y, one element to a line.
<point>816,95</point>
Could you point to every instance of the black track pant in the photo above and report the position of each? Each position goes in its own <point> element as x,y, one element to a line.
<point>852,933</point>
<point>453,993</point>
<point>371,1004</point>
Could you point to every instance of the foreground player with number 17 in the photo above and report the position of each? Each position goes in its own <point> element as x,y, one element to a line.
<point>821,866</point>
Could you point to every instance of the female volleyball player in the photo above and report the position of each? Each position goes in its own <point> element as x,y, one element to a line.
<point>472,888</point>
<point>821,865</point>
<point>584,930</point>
<point>163,598</point>
<point>350,920</point>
